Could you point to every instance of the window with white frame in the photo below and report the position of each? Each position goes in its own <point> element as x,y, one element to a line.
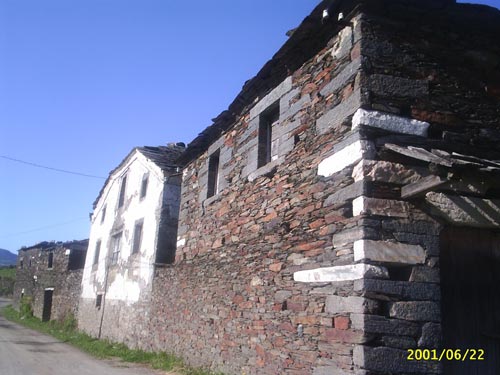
<point>115,247</point>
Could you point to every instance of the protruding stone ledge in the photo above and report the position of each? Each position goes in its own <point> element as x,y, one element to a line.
<point>463,210</point>
<point>389,122</point>
<point>351,304</point>
<point>265,170</point>
<point>382,207</point>
<point>388,252</point>
<point>341,273</point>
<point>346,157</point>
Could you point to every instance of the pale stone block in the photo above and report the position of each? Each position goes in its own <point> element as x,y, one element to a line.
<point>346,157</point>
<point>351,304</point>
<point>181,242</point>
<point>344,43</point>
<point>382,207</point>
<point>386,171</point>
<point>388,252</point>
<point>389,122</point>
<point>341,273</point>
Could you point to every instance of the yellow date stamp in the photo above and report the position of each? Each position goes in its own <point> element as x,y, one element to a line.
<point>445,355</point>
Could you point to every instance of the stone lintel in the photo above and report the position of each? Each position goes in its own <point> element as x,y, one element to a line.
<point>272,97</point>
<point>389,122</point>
<point>463,210</point>
<point>341,273</point>
<point>388,252</point>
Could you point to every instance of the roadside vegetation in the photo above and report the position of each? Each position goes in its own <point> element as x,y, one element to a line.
<point>7,279</point>
<point>66,331</point>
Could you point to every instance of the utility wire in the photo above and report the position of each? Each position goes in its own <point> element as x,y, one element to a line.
<point>53,169</point>
<point>42,228</point>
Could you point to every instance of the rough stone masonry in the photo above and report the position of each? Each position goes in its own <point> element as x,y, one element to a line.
<point>325,259</point>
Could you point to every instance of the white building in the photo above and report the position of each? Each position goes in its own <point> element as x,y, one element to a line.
<point>133,227</point>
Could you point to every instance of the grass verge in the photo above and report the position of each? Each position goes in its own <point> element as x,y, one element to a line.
<point>66,332</point>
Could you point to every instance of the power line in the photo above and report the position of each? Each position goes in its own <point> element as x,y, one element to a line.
<point>53,169</point>
<point>42,228</point>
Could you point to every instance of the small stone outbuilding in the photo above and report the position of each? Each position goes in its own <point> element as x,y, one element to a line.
<point>49,274</point>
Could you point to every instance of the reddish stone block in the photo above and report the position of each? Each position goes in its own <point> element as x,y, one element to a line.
<point>356,51</point>
<point>287,327</point>
<point>269,217</point>
<point>341,322</point>
<point>340,335</point>
<point>309,246</point>
<point>295,306</point>
<point>308,319</point>
<point>276,267</point>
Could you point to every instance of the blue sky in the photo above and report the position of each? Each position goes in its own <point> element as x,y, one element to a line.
<point>82,82</point>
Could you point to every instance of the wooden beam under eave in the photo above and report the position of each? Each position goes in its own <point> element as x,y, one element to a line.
<point>422,186</point>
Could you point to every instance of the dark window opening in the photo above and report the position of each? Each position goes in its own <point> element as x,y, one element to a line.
<point>144,185</point>
<point>51,260</point>
<point>213,174</point>
<point>76,259</point>
<point>123,186</point>
<point>137,237</point>
<point>399,273</point>
<point>103,215</point>
<point>21,264</point>
<point>97,252</point>
<point>98,301</point>
<point>115,248</point>
<point>267,120</point>
<point>47,305</point>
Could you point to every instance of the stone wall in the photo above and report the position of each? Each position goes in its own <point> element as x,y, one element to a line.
<point>314,263</point>
<point>230,300</point>
<point>34,277</point>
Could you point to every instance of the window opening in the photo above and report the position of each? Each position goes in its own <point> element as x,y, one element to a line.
<point>137,237</point>
<point>51,260</point>
<point>97,252</point>
<point>144,185</point>
<point>103,215</point>
<point>266,122</point>
<point>115,247</point>
<point>213,174</point>
<point>121,199</point>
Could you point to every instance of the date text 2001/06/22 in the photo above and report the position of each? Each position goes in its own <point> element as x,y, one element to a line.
<point>445,355</point>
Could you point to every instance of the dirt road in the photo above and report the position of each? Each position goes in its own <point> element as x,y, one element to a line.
<point>27,352</point>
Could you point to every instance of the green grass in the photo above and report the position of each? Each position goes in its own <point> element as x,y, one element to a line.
<point>8,272</point>
<point>65,331</point>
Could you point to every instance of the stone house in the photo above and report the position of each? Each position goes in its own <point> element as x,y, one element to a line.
<point>345,208</point>
<point>133,228</point>
<point>50,273</point>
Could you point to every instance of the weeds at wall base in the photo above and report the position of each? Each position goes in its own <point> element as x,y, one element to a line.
<point>66,332</point>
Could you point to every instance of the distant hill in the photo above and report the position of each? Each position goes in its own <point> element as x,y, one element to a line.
<point>7,258</point>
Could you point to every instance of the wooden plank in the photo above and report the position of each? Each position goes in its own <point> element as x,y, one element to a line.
<point>419,154</point>
<point>422,186</point>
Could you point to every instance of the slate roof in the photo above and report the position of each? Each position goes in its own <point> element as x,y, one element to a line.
<point>165,157</point>
<point>305,41</point>
<point>78,245</point>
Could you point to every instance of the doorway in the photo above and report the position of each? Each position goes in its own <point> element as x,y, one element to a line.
<point>47,304</point>
<point>470,286</point>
